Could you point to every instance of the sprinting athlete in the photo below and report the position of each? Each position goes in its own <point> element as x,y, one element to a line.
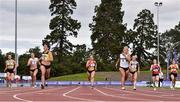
<point>45,61</point>
<point>134,67</point>
<point>91,66</point>
<point>173,71</point>
<point>123,61</point>
<point>156,69</point>
<point>33,64</point>
<point>9,69</point>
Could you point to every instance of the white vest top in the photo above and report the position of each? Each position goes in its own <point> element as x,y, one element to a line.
<point>123,61</point>
<point>134,64</point>
<point>34,62</point>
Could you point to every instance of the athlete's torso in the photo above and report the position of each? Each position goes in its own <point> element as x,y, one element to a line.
<point>45,58</point>
<point>173,68</point>
<point>10,64</point>
<point>123,61</point>
<point>133,66</point>
<point>155,69</point>
<point>33,63</point>
<point>91,65</point>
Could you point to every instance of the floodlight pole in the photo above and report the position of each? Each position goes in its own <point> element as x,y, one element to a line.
<point>158,4</point>
<point>16,55</point>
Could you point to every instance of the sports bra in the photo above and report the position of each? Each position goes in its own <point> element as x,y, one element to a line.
<point>173,68</point>
<point>34,62</point>
<point>91,63</point>
<point>155,69</point>
<point>10,64</point>
<point>134,64</point>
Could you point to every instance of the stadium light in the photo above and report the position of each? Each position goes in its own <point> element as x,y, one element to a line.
<point>158,4</point>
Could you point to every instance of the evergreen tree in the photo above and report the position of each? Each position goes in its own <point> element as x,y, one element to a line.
<point>2,61</point>
<point>107,30</point>
<point>62,26</point>
<point>170,39</point>
<point>144,36</point>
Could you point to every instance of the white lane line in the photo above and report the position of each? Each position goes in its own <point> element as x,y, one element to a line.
<point>77,98</point>
<point>121,97</point>
<point>15,96</point>
<point>138,93</point>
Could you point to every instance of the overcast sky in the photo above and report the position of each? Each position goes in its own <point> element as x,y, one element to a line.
<point>34,18</point>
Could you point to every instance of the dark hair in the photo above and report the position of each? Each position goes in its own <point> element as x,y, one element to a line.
<point>46,43</point>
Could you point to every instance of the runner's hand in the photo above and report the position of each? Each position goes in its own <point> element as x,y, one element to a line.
<point>116,66</point>
<point>5,69</point>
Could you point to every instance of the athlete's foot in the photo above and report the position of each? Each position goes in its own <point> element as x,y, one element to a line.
<point>172,88</point>
<point>34,86</point>
<point>42,86</point>
<point>134,88</point>
<point>46,85</point>
<point>92,86</point>
<point>155,89</point>
<point>7,85</point>
<point>123,88</point>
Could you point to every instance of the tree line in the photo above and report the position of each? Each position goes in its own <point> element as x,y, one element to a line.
<point>109,35</point>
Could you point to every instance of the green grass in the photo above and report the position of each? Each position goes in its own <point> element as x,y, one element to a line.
<point>100,76</point>
<point>75,77</point>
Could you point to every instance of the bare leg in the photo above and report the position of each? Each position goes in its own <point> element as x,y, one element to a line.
<point>89,76</point>
<point>92,78</point>
<point>11,78</point>
<point>34,77</point>
<point>31,74</point>
<point>8,79</point>
<point>47,74</point>
<point>126,74</point>
<point>154,80</point>
<point>122,72</point>
<point>173,81</point>
<point>134,80</point>
<point>43,70</point>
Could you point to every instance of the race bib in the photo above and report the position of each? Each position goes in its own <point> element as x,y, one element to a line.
<point>45,56</point>
<point>155,71</point>
<point>173,70</point>
<point>34,62</point>
<point>92,65</point>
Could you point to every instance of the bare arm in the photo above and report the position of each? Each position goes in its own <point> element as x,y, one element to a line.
<point>177,66</point>
<point>15,64</point>
<point>160,68</point>
<point>87,64</point>
<point>29,62</point>
<point>95,66</point>
<point>151,68</point>
<point>128,57</point>
<point>5,67</point>
<point>50,57</point>
<point>117,63</point>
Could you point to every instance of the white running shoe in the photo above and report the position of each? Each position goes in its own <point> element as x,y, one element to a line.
<point>123,88</point>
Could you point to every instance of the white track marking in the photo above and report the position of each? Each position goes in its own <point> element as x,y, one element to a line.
<point>123,97</point>
<point>21,99</point>
<point>159,96</point>
<point>77,98</point>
